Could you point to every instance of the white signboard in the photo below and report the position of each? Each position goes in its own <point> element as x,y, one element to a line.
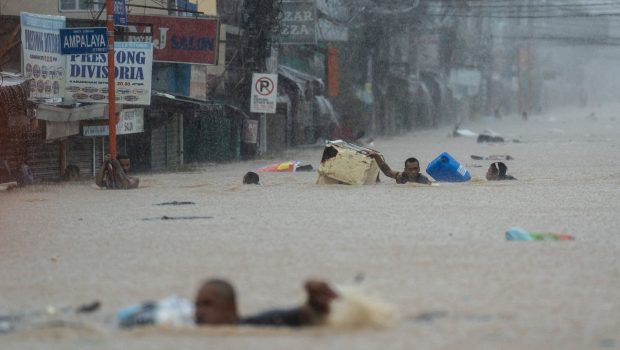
<point>264,93</point>
<point>43,62</point>
<point>250,130</point>
<point>130,121</point>
<point>87,75</point>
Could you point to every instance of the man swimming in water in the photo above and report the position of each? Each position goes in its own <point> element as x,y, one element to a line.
<point>216,304</point>
<point>411,172</point>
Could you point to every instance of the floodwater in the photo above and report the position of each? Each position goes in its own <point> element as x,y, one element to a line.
<point>438,254</point>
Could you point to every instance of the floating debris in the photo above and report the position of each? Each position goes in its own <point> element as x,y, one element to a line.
<point>176,203</point>
<point>166,217</point>
<point>430,316</point>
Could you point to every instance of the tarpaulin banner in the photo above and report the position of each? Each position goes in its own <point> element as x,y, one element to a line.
<point>41,51</point>
<point>87,75</point>
<point>177,39</point>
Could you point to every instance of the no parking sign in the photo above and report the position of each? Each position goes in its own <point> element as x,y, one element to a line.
<point>264,93</point>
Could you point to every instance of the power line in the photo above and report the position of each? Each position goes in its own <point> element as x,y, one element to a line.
<point>533,9</point>
<point>576,15</point>
<point>520,6</point>
<point>569,40</point>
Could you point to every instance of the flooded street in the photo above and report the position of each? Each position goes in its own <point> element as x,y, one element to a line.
<point>437,253</point>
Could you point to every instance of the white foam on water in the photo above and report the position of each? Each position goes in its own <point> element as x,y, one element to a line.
<point>357,307</point>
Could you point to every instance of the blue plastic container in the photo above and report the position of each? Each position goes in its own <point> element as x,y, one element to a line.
<point>447,169</point>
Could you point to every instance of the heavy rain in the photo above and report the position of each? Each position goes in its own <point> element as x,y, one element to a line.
<point>437,174</point>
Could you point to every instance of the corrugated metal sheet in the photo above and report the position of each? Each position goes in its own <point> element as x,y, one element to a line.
<point>29,148</point>
<point>80,153</point>
<point>158,148</point>
<point>172,143</point>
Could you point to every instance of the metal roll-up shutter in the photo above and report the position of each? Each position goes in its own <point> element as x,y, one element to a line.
<point>44,160</point>
<point>80,154</point>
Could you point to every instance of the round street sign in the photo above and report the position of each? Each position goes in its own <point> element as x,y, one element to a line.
<point>264,86</point>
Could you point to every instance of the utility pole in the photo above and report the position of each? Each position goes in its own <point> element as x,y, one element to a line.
<point>259,18</point>
<point>111,87</point>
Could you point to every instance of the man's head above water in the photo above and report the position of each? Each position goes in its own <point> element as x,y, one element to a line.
<point>251,178</point>
<point>123,159</point>
<point>216,303</point>
<point>496,171</point>
<point>410,172</point>
<point>412,166</point>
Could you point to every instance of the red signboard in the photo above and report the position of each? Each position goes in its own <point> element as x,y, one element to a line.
<point>177,39</point>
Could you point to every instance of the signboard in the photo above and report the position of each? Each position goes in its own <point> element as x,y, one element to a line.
<point>187,6</point>
<point>83,40</point>
<point>250,131</point>
<point>264,93</point>
<point>298,22</point>
<point>87,75</point>
<point>130,121</point>
<point>177,39</point>
<point>42,61</point>
<point>120,13</point>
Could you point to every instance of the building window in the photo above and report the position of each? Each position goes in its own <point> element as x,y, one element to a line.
<point>79,5</point>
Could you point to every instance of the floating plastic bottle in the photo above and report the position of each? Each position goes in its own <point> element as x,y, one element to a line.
<point>171,311</point>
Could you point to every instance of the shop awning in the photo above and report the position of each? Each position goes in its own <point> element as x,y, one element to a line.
<point>71,113</point>
<point>160,97</point>
<point>301,80</point>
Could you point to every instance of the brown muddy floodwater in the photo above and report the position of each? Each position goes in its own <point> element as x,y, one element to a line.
<point>438,254</point>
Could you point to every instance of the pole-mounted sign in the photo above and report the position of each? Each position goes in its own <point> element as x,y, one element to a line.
<point>264,93</point>
<point>120,13</point>
<point>74,41</point>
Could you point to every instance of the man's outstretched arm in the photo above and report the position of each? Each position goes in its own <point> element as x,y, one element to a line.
<point>383,165</point>
<point>99,177</point>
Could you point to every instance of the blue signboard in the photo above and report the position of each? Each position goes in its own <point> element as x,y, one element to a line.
<point>185,5</point>
<point>120,13</point>
<point>83,40</point>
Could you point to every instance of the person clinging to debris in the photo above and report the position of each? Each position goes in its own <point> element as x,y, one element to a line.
<point>411,172</point>
<point>497,171</point>
<point>216,304</point>
<point>114,173</point>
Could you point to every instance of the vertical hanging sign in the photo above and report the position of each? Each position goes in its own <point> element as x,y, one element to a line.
<point>120,13</point>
